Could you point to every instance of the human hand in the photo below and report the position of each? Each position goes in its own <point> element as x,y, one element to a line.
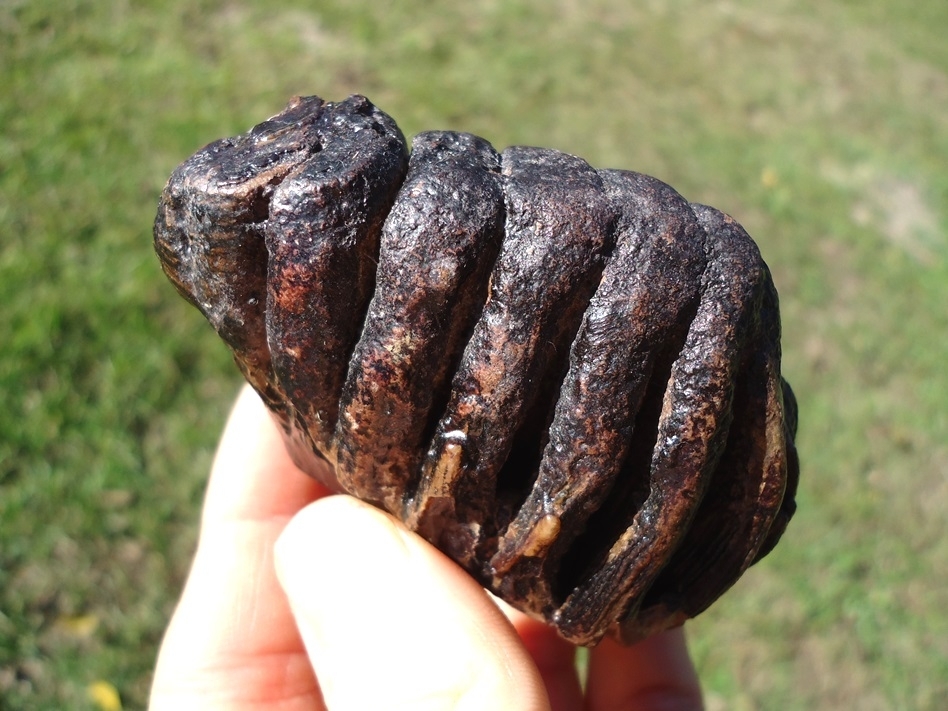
<point>291,585</point>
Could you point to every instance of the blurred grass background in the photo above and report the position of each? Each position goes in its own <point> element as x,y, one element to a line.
<point>821,126</point>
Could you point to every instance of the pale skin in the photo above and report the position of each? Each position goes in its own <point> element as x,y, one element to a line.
<point>302,600</point>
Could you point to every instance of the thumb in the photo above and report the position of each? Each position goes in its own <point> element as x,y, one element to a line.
<point>389,622</point>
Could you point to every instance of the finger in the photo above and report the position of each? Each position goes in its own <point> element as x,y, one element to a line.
<point>232,642</point>
<point>389,622</point>
<point>253,477</point>
<point>554,657</point>
<point>655,674</point>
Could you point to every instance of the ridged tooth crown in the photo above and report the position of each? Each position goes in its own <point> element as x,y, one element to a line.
<point>567,379</point>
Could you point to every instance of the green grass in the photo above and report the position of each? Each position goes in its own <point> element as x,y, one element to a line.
<point>822,126</point>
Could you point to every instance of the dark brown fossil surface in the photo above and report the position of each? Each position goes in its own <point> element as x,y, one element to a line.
<point>567,379</point>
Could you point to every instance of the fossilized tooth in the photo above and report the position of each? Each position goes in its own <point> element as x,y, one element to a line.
<point>209,230</point>
<point>558,223</point>
<point>694,428</point>
<point>633,327</point>
<point>567,379</point>
<point>322,237</point>
<point>438,246</point>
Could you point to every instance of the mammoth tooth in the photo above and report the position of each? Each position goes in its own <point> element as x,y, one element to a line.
<point>645,296</point>
<point>429,294</point>
<point>209,231</point>
<point>567,379</point>
<point>322,237</point>
<point>557,231</point>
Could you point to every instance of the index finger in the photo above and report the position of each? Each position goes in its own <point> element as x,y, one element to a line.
<point>232,642</point>
<point>253,477</point>
<point>653,674</point>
